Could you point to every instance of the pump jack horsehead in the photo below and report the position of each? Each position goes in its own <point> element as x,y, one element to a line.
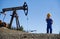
<point>14,14</point>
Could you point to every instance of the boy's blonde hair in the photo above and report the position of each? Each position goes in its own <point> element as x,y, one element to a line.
<point>48,15</point>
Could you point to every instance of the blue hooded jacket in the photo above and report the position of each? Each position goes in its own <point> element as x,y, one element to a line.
<point>49,21</point>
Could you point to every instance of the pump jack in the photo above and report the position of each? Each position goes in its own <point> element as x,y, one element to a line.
<point>14,14</point>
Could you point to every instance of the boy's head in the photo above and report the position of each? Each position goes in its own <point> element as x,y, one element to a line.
<point>48,15</point>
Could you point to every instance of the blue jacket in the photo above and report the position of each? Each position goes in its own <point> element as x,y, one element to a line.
<point>49,21</point>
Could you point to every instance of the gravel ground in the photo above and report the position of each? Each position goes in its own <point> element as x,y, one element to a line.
<point>6,33</point>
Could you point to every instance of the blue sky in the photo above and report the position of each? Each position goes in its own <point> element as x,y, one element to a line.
<point>37,12</point>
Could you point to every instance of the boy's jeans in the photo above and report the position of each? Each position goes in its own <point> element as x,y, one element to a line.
<point>49,28</point>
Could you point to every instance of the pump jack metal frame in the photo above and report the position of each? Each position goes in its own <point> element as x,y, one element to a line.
<point>14,14</point>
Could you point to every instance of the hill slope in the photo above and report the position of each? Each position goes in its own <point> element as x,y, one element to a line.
<point>13,34</point>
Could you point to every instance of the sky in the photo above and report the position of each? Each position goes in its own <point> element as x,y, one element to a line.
<point>37,11</point>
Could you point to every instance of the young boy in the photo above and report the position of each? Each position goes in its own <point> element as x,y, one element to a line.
<point>49,23</point>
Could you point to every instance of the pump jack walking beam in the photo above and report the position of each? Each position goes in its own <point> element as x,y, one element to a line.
<point>24,7</point>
